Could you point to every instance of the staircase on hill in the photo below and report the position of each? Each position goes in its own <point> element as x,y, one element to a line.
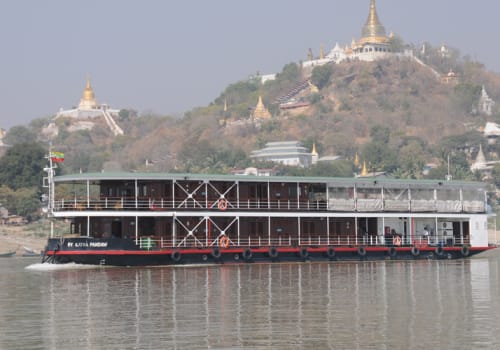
<point>286,98</point>
<point>115,129</point>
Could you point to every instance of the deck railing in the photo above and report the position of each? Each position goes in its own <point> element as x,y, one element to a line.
<point>360,205</point>
<point>154,242</point>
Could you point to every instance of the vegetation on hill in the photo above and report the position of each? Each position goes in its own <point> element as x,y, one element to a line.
<point>396,114</point>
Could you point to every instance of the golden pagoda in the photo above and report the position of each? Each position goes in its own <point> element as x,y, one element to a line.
<point>260,111</point>
<point>373,31</point>
<point>314,155</point>
<point>321,52</point>
<point>356,160</point>
<point>88,99</point>
<point>314,152</point>
<point>364,171</point>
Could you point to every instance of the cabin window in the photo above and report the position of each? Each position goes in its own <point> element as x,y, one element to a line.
<point>448,194</point>
<point>369,193</point>
<point>473,194</point>
<point>422,194</point>
<point>341,192</point>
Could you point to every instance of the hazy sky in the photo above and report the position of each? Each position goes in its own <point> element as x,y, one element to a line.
<point>169,56</point>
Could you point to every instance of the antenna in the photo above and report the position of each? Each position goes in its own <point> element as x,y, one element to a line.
<point>448,175</point>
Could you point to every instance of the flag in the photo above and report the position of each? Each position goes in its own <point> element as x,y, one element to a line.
<point>57,157</point>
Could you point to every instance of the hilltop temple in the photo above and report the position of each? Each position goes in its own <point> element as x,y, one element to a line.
<point>260,111</point>
<point>88,108</point>
<point>374,44</point>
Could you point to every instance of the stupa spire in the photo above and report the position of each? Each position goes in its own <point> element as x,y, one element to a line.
<point>87,101</point>
<point>373,28</point>
<point>260,111</point>
<point>314,152</point>
<point>364,171</point>
<point>356,160</point>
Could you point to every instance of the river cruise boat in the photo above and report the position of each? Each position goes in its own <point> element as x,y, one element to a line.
<point>131,219</point>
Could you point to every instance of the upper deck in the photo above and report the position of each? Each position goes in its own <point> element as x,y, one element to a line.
<point>157,191</point>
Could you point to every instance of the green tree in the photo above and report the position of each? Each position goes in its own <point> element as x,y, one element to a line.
<point>338,168</point>
<point>19,134</point>
<point>290,72</point>
<point>397,43</point>
<point>496,175</point>
<point>22,166</point>
<point>321,75</point>
<point>27,203</point>
<point>411,160</point>
<point>24,202</point>
<point>379,154</point>
<point>467,95</point>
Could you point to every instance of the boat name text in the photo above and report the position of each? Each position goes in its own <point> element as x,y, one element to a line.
<point>87,244</point>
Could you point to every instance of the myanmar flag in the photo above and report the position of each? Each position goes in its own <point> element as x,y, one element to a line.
<point>57,157</point>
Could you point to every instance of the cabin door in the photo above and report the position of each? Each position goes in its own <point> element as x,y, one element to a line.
<point>116,229</point>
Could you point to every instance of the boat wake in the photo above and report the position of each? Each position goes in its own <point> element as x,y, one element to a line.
<point>58,267</point>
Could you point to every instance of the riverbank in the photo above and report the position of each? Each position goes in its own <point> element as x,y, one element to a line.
<point>16,238</point>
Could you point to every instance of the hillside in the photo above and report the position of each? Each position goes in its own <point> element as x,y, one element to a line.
<point>399,96</point>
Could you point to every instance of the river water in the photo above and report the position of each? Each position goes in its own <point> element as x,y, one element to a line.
<point>448,304</point>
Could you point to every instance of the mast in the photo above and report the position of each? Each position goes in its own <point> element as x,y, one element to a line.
<point>51,191</point>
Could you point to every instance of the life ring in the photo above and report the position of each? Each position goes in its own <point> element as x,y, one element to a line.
<point>392,252</point>
<point>361,251</point>
<point>303,253</point>
<point>330,252</point>
<point>465,251</point>
<point>247,254</point>
<point>439,250</point>
<point>176,256</point>
<point>415,251</point>
<point>397,241</point>
<point>216,253</point>
<point>273,252</point>
<point>224,242</point>
<point>222,205</point>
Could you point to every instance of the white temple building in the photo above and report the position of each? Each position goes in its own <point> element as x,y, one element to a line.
<point>485,104</point>
<point>291,153</point>
<point>373,45</point>
<point>88,108</point>
<point>491,132</point>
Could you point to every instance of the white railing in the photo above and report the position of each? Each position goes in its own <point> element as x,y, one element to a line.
<point>312,240</point>
<point>360,205</point>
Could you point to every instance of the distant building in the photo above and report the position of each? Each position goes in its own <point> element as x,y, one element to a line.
<point>481,164</point>
<point>2,135</point>
<point>88,108</point>
<point>254,172</point>
<point>451,78</point>
<point>291,153</point>
<point>486,104</point>
<point>491,132</point>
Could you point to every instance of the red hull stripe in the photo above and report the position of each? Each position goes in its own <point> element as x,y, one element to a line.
<point>255,250</point>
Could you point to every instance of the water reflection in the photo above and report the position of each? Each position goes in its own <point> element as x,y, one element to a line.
<point>372,305</point>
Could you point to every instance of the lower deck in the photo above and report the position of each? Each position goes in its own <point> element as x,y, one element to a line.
<point>125,252</point>
<point>260,231</point>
